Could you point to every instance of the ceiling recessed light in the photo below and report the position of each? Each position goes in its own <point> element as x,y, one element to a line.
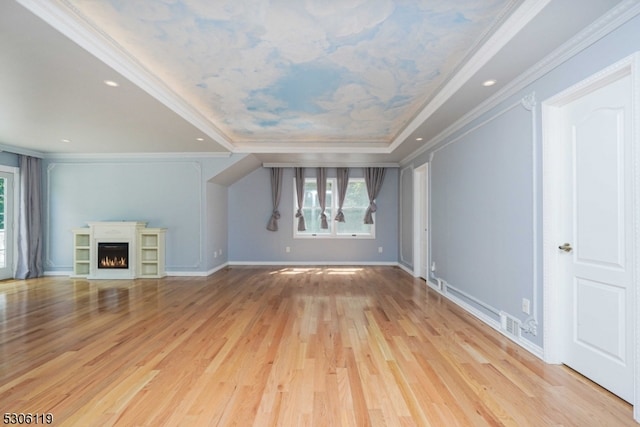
<point>65,140</point>
<point>418,139</point>
<point>200,139</point>
<point>111,83</point>
<point>488,83</point>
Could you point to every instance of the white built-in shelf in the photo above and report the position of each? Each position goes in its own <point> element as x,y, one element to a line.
<point>146,256</point>
<point>151,256</point>
<point>81,252</point>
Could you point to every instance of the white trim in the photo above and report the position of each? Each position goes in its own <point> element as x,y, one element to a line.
<point>21,150</point>
<point>613,19</point>
<point>136,156</point>
<point>316,263</point>
<point>421,172</point>
<point>15,215</point>
<point>507,31</point>
<point>60,273</point>
<point>330,165</point>
<point>67,19</point>
<point>552,200</point>
<point>405,269</point>
<point>526,344</point>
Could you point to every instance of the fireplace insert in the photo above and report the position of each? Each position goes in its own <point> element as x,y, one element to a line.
<point>113,255</point>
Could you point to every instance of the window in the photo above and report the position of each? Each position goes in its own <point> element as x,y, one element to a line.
<point>355,204</point>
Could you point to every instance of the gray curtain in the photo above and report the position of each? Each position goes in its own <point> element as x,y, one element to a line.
<point>299,176</point>
<point>30,219</point>
<point>276,192</point>
<point>343,182</point>
<point>373,178</point>
<point>321,182</point>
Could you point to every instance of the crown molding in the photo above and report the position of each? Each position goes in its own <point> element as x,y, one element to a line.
<point>611,20</point>
<point>330,165</point>
<point>64,17</point>
<point>333,147</point>
<point>19,150</point>
<point>134,156</point>
<point>507,29</point>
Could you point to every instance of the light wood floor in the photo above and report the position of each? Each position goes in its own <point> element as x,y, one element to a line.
<point>270,346</point>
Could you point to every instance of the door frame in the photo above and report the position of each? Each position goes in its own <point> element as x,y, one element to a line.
<point>420,181</point>
<point>553,158</point>
<point>12,237</point>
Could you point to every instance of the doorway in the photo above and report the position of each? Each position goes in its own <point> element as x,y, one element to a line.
<point>421,221</point>
<point>591,209</point>
<point>7,214</point>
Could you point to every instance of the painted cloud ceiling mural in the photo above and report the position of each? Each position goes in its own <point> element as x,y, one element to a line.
<point>307,70</point>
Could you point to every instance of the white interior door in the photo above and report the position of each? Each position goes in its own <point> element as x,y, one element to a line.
<point>596,252</point>
<point>6,225</point>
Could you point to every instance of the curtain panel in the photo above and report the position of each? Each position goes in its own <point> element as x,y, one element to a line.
<point>373,178</point>
<point>299,177</point>
<point>30,239</point>
<point>343,182</point>
<point>321,183</point>
<point>276,192</point>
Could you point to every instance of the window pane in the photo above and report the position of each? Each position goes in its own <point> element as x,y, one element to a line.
<point>354,207</point>
<point>356,202</point>
<point>311,209</point>
<point>356,195</point>
<point>354,222</point>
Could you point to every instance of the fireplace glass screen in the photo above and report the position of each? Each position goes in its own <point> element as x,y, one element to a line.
<point>113,255</point>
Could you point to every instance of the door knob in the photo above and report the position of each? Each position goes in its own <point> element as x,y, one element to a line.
<point>565,247</point>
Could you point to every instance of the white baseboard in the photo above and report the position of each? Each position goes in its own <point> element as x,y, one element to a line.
<point>313,263</point>
<point>526,344</point>
<point>405,269</point>
<point>58,273</point>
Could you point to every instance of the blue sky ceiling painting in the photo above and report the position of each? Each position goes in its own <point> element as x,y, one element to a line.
<point>341,70</point>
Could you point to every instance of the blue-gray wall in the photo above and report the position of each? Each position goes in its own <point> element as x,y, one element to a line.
<point>485,199</point>
<point>250,209</point>
<point>8,159</point>
<point>168,193</point>
<point>217,231</point>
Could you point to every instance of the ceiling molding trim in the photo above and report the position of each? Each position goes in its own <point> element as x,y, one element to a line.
<point>307,147</point>
<point>23,151</point>
<point>331,165</point>
<point>512,26</point>
<point>613,19</point>
<point>65,18</point>
<point>132,156</point>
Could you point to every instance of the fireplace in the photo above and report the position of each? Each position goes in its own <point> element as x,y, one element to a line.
<point>118,250</point>
<point>113,255</point>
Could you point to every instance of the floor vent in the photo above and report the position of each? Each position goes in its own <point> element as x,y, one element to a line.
<point>510,325</point>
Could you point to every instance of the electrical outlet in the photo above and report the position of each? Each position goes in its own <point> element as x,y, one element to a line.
<point>433,267</point>
<point>379,249</point>
<point>287,249</point>
<point>526,306</point>
<point>215,254</point>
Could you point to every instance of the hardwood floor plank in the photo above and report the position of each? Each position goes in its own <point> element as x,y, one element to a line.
<point>330,346</point>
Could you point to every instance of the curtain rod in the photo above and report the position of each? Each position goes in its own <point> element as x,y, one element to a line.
<point>330,165</point>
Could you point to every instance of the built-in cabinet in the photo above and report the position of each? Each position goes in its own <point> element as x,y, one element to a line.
<point>146,250</point>
<point>151,256</point>
<point>81,252</point>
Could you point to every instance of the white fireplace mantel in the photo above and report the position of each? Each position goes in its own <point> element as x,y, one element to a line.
<point>145,256</point>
